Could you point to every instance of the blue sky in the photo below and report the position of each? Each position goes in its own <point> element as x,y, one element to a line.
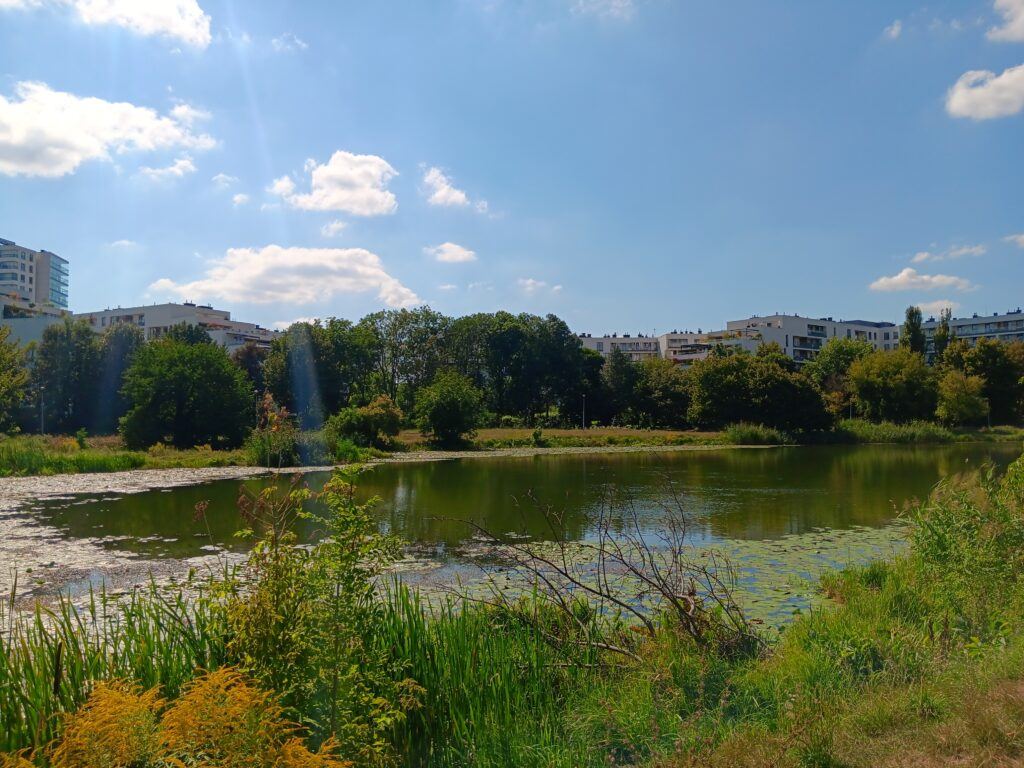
<point>630,165</point>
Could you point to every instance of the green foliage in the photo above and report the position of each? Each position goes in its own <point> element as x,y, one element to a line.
<point>962,400</point>
<point>30,456</point>
<point>1001,367</point>
<point>755,434</point>
<point>912,337</point>
<point>275,440</point>
<point>449,410</point>
<point>893,386</point>
<point>187,333</point>
<point>619,377</point>
<point>66,375</point>
<point>118,345</point>
<point>184,395</point>
<point>861,431</point>
<point>13,378</point>
<point>733,388</point>
<point>375,424</point>
<point>943,333</point>
<point>830,367</point>
<point>251,359</point>
<point>661,394</point>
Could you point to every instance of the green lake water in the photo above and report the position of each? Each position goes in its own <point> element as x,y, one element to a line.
<point>781,514</point>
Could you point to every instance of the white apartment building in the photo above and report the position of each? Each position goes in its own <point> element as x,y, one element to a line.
<point>1008,326</point>
<point>802,337</point>
<point>34,277</point>
<point>155,320</point>
<point>637,347</point>
<point>799,337</point>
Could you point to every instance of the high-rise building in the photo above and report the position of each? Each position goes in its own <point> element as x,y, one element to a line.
<point>34,277</point>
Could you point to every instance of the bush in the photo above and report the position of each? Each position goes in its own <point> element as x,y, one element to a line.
<point>962,400</point>
<point>275,441</point>
<point>860,431</point>
<point>372,425</point>
<point>893,386</point>
<point>448,410</point>
<point>755,434</point>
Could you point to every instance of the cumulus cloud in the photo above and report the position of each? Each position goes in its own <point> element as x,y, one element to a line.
<point>222,180</point>
<point>240,199</point>
<point>356,184</point>
<point>288,42</point>
<point>182,20</point>
<point>450,253</point>
<point>333,228</point>
<point>531,286</point>
<point>1017,240</point>
<point>117,243</point>
<point>1012,28</point>
<point>188,115</point>
<point>935,307</point>
<point>50,133</point>
<point>983,95</point>
<point>894,30</point>
<point>282,325</point>
<point>910,279</point>
<point>179,168</point>
<point>440,190</point>
<point>278,275</point>
<point>606,9</point>
<point>956,252</point>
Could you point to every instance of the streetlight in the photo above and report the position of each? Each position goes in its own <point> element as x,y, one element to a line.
<point>42,390</point>
<point>584,410</point>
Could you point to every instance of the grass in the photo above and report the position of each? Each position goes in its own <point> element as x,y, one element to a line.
<point>917,661</point>
<point>595,437</point>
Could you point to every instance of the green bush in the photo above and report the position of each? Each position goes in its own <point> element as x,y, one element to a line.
<point>449,410</point>
<point>860,431</point>
<point>962,400</point>
<point>755,434</point>
<point>275,440</point>
<point>374,425</point>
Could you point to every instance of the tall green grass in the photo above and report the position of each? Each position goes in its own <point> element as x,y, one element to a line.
<point>51,657</point>
<point>861,431</point>
<point>755,434</point>
<point>21,458</point>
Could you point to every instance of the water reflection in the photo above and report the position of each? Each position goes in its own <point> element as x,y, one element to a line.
<point>732,494</point>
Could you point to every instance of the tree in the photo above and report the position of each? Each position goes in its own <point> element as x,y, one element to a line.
<point>374,424</point>
<point>408,349</point>
<point>1001,369</point>
<point>449,409</point>
<point>118,345</point>
<point>13,378</point>
<point>250,358</point>
<point>943,334</point>
<point>662,394</point>
<point>186,395</point>
<point>66,376</point>
<point>620,376</point>
<point>187,333</point>
<point>893,386</point>
<point>829,369</point>
<point>913,337</point>
<point>961,400</point>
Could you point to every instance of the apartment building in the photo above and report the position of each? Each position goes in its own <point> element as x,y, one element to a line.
<point>33,277</point>
<point>1008,326</point>
<point>155,320</point>
<point>638,347</point>
<point>686,347</point>
<point>801,338</point>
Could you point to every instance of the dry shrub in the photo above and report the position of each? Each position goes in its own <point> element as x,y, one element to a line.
<point>116,727</point>
<point>294,754</point>
<point>14,761</point>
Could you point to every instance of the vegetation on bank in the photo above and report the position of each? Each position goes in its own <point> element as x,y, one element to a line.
<point>921,657</point>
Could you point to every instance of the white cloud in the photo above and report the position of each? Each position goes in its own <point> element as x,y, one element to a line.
<point>482,285</point>
<point>180,19</point>
<point>911,280</point>
<point>223,181</point>
<point>956,252</point>
<point>450,253</point>
<point>282,325</point>
<point>894,30</point>
<point>118,243</point>
<point>288,42</point>
<point>176,170</point>
<point>935,307</point>
<point>441,191</point>
<point>1017,240</point>
<point>983,95</point>
<point>447,287</point>
<point>188,115</point>
<point>277,275</point>
<point>606,9</point>
<point>531,286</point>
<point>240,199</point>
<point>50,133</point>
<point>1012,29</point>
<point>356,184</point>
<point>333,228</point>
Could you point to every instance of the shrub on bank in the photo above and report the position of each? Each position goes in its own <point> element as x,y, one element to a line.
<point>861,431</point>
<point>755,434</point>
<point>373,425</point>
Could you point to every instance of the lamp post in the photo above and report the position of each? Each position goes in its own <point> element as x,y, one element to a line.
<point>584,410</point>
<point>42,400</point>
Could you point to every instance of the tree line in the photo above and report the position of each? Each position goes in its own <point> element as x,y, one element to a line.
<point>418,367</point>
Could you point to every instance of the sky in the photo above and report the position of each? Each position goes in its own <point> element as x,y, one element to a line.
<point>629,165</point>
